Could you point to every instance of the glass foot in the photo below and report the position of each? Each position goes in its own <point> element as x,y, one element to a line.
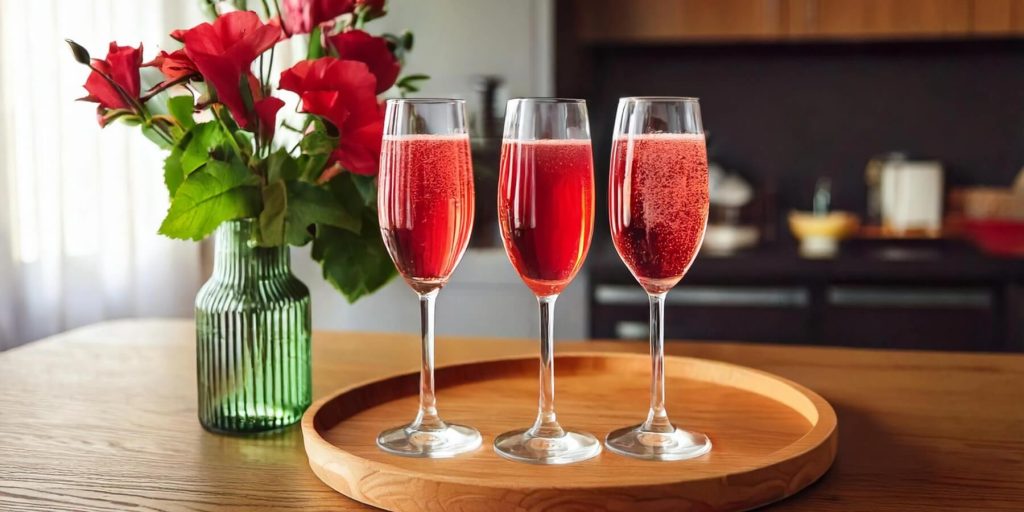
<point>677,445</point>
<point>449,441</point>
<point>522,446</point>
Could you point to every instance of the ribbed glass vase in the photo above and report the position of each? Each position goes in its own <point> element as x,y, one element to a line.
<point>253,337</point>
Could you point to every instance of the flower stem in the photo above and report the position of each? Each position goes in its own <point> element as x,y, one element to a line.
<point>217,113</point>
<point>163,86</point>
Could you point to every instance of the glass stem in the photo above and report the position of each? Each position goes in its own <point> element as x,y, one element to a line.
<point>547,423</point>
<point>657,417</point>
<point>427,418</point>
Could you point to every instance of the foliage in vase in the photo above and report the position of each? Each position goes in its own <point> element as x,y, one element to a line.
<point>216,112</point>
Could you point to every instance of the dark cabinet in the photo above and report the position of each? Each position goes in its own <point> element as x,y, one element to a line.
<point>958,300</point>
<point>779,314</point>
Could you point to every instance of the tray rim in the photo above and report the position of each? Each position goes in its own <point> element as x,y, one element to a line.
<point>826,428</point>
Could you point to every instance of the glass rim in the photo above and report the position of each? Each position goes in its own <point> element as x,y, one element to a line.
<point>426,101</point>
<point>660,99</point>
<point>545,99</point>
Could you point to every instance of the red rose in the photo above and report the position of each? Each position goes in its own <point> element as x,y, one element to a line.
<point>343,93</point>
<point>373,51</point>
<point>122,67</point>
<point>174,65</point>
<point>224,51</point>
<point>302,16</point>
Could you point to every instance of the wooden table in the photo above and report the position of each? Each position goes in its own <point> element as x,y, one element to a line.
<point>104,418</point>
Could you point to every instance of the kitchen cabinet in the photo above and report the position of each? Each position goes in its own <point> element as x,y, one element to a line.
<point>872,19</point>
<point>953,299</point>
<point>647,21</point>
<point>997,17</point>
<point>680,21</point>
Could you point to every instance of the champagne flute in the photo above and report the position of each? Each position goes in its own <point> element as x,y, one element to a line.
<point>658,209</point>
<point>546,211</point>
<point>425,209</point>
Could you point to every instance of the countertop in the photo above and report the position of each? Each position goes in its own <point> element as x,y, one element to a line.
<point>104,418</point>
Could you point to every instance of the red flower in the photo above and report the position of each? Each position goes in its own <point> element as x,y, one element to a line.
<point>342,92</point>
<point>174,65</point>
<point>302,16</point>
<point>266,111</point>
<point>373,51</point>
<point>122,67</point>
<point>223,52</point>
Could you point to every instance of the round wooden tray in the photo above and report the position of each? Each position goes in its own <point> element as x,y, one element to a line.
<point>771,437</point>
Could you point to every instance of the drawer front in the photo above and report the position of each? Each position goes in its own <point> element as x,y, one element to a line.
<point>766,314</point>
<point>951,318</point>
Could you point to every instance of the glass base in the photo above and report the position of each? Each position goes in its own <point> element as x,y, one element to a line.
<point>522,446</point>
<point>409,441</point>
<point>637,443</point>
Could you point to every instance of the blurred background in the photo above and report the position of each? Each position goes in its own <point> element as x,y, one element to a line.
<point>865,169</point>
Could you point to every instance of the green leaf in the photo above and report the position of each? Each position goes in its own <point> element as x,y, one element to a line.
<point>272,218</point>
<point>343,188</point>
<point>79,51</point>
<point>308,205</point>
<point>281,166</point>
<point>181,108</point>
<point>318,143</point>
<point>312,166</point>
<point>407,40</point>
<point>410,80</point>
<point>156,137</point>
<point>367,188</point>
<point>210,196</point>
<point>205,137</point>
<point>244,140</point>
<point>173,175</point>
<point>411,83</point>
<point>316,49</point>
<point>356,265</point>
<point>415,77</point>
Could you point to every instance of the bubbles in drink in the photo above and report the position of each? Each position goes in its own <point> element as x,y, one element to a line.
<point>658,205</point>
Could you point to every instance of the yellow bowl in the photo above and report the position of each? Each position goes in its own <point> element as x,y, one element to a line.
<point>837,225</point>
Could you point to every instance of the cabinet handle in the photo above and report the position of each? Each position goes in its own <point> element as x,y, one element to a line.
<point>775,297</point>
<point>970,298</point>
<point>632,330</point>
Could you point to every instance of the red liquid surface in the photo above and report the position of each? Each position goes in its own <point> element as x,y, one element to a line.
<point>658,205</point>
<point>425,205</point>
<point>546,209</point>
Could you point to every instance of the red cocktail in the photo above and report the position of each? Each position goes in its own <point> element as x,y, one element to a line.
<point>425,201</point>
<point>546,209</point>
<point>658,205</point>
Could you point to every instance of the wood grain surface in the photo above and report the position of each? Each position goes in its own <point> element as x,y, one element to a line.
<point>771,438</point>
<point>104,418</point>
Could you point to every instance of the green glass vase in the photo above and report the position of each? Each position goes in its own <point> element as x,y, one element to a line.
<point>253,327</point>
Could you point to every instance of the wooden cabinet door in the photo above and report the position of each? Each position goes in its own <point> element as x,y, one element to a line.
<point>875,19</point>
<point>654,21</point>
<point>997,17</point>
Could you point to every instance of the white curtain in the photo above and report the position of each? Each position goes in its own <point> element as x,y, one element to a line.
<point>79,207</point>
